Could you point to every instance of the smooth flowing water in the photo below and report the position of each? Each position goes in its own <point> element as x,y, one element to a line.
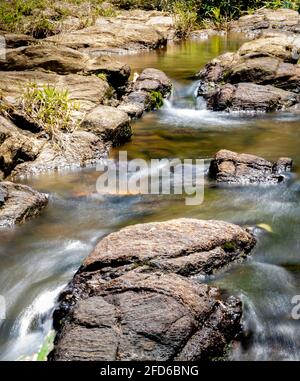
<point>38,258</point>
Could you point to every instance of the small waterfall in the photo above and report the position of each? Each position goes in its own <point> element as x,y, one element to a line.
<point>185,108</point>
<point>32,325</point>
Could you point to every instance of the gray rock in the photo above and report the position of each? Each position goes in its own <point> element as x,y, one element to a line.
<point>134,297</point>
<point>233,168</point>
<point>19,203</point>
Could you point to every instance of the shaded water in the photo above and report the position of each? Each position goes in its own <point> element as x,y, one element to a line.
<point>38,258</point>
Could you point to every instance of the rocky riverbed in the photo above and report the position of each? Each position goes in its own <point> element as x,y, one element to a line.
<point>143,292</point>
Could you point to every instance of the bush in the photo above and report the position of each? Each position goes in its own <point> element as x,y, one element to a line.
<point>185,18</point>
<point>49,108</point>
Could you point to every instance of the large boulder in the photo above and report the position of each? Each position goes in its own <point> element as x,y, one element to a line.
<point>233,168</point>
<point>251,97</point>
<point>149,317</point>
<point>77,149</point>
<point>265,71</point>
<point>284,46</point>
<point>111,124</point>
<point>63,60</point>
<point>134,297</point>
<point>16,147</point>
<point>19,203</point>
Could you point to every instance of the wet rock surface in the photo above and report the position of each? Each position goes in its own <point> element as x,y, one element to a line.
<point>233,168</point>
<point>78,149</point>
<point>19,203</point>
<point>136,296</point>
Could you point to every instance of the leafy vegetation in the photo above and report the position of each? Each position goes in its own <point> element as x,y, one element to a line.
<point>185,18</point>
<point>218,12</point>
<point>46,347</point>
<point>49,108</point>
<point>43,18</point>
<point>157,99</point>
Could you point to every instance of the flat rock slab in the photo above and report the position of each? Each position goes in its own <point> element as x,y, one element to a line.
<point>233,168</point>
<point>134,298</point>
<point>64,60</point>
<point>19,203</point>
<point>260,20</point>
<point>113,35</point>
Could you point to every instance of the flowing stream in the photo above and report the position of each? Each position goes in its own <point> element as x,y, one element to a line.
<point>38,258</point>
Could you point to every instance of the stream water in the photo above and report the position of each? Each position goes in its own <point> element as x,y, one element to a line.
<point>38,258</point>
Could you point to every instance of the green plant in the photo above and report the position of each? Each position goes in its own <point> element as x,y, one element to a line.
<point>185,18</point>
<point>102,76</point>
<point>46,347</point>
<point>49,108</point>
<point>156,99</point>
<point>41,27</point>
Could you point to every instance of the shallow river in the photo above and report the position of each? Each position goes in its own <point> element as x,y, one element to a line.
<point>38,258</point>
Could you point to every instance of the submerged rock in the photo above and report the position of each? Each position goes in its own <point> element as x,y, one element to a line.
<point>19,203</point>
<point>233,168</point>
<point>134,297</point>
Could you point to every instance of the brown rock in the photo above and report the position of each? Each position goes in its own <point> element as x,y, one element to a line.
<point>19,203</point>
<point>109,123</point>
<point>78,149</point>
<point>146,317</point>
<point>250,97</point>
<point>133,297</point>
<point>233,168</point>
<point>112,35</point>
<point>88,91</point>
<point>63,60</point>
